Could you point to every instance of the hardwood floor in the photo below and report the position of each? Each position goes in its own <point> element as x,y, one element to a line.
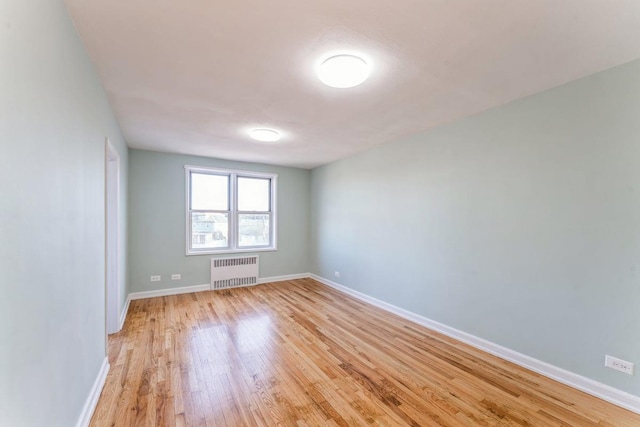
<point>299,353</point>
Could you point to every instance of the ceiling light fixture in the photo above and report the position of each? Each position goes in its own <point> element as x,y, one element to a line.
<point>265,135</point>
<point>343,71</point>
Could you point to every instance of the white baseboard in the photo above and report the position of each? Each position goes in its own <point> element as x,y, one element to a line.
<point>283,278</point>
<point>94,394</point>
<point>167,292</point>
<point>201,288</point>
<point>587,385</point>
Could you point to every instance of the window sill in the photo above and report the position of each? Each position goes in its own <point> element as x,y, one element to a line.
<point>232,251</point>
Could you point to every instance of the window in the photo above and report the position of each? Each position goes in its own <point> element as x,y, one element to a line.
<point>230,211</point>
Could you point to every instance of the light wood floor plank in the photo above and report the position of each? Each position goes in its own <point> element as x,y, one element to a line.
<point>299,353</point>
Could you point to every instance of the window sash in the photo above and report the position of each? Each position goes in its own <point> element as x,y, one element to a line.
<point>227,176</point>
<point>269,190</point>
<point>270,225</point>
<point>214,248</point>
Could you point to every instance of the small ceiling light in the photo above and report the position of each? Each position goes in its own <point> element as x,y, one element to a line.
<point>343,71</point>
<point>265,135</point>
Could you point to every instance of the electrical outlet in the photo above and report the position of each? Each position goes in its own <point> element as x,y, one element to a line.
<point>176,277</point>
<point>155,278</point>
<point>337,273</point>
<point>619,364</point>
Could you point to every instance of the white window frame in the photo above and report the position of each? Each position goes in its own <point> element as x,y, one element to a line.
<point>233,210</point>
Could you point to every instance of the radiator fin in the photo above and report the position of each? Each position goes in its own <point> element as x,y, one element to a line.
<point>234,272</point>
<point>231,262</point>
<point>233,283</point>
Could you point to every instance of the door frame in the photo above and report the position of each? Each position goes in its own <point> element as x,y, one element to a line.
<point>112,238</point>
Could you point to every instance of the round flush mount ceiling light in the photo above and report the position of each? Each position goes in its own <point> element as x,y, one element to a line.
<point>265,135</point>
<point>343,71</point>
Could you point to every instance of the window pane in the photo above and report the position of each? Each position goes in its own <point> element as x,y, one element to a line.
<point>209,230</point>
<point>253,230</point>
<point>254,194</point>
<point>209,192</point>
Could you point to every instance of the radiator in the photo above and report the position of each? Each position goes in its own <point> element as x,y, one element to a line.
<point>234,272</point>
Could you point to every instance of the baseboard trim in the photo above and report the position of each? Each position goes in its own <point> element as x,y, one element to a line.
<point>167,292</point>
<point>587,385</point>
<point>94,395</point>
<point>282,278</point>
<point>202,288</point>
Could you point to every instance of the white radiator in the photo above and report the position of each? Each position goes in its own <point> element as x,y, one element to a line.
<point>234,272</point>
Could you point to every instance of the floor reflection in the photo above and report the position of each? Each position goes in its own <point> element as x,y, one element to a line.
<point>220,344</point>
<point>253,333</point>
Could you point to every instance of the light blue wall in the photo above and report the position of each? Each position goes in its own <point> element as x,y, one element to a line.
<point>157,221</point>
<point>520,225</point>
<point>54,117</point>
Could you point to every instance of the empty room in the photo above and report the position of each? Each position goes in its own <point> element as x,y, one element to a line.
<point>319,213</point>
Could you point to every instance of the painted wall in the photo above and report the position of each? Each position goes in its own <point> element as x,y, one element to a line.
<point>54,117</point>
<point>520,225</point>
<point>157,221</point>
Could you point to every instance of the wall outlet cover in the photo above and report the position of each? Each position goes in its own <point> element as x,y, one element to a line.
<point>619,364</point>
<point>176,277</point>
<point>155,278</point>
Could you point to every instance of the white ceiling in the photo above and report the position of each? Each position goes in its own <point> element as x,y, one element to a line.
<point>193,76</point>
